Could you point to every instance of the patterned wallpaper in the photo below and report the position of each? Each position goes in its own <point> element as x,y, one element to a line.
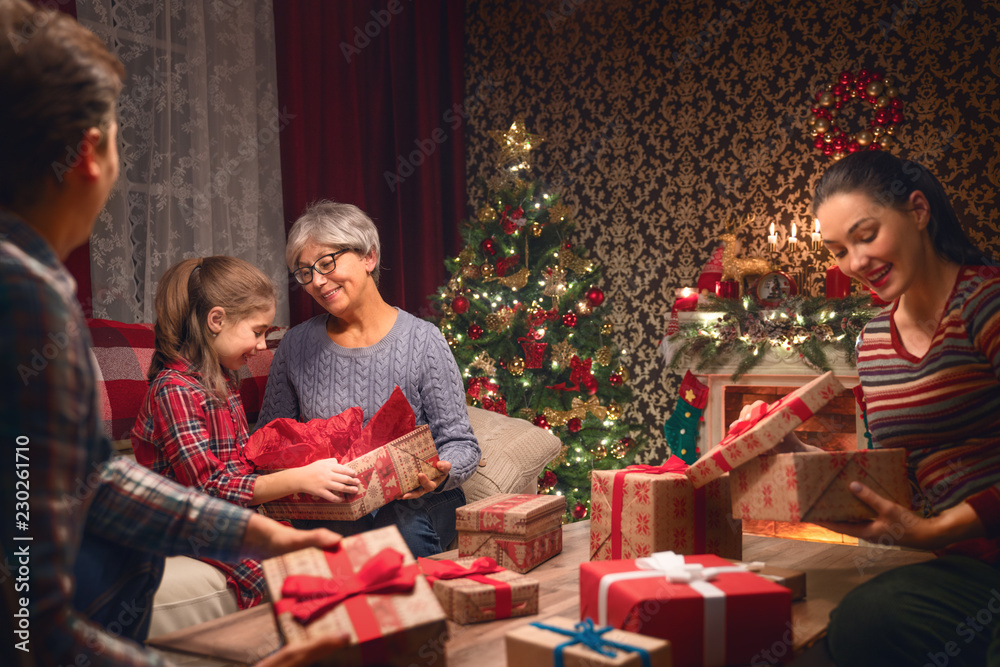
<point>664,120</point>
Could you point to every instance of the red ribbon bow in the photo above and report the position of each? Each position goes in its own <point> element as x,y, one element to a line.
<point>674,464</point>
<point>307,597</point>
<point>745,425</point>
<point>449,569</point>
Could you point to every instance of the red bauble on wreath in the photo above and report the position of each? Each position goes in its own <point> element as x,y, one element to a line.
<point>832,139</point>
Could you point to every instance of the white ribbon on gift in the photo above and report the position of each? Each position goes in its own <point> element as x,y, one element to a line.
<point>672,567</point>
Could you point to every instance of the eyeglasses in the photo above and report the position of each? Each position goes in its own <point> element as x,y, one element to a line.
<point>324,265</point>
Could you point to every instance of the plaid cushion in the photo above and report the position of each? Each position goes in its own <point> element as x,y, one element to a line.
<point>122,354</point>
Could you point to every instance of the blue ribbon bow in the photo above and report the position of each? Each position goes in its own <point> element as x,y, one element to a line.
<point>586,634</point>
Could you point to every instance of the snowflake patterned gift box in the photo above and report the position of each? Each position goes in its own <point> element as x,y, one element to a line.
<point>368,588</point>
<point>801,486</point>
<point>472,590</point>
<point>813,486</point>
<point>386,454</point>
<point>560,641</point>
<point>518,531</point>
<point>643,509</point>
<point>711,611</point>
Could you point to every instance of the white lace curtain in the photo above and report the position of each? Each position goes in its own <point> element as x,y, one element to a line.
<point>199,126</point>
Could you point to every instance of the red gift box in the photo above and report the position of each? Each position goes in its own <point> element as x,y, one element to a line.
<point>519,531</point>
<point>472,590</point>
<point>712,612</point>
<point>643,509</point>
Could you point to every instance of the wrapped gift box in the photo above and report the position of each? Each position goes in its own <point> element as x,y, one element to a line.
<point>538,644</point>
<point>386,473</point>
<point>710,614</point>
<point>397,618</point>
<point>518,531</point>
<point>813,486</point>
<point>644,509</point>
<point>472,590</point>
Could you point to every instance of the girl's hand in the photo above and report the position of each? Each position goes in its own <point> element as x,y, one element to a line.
<point>789,444</point>
<point>904,527</point>
<point>426,484</point>
<point>327,479</point>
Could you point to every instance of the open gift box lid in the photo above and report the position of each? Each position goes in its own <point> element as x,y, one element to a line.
<point>764,429</point>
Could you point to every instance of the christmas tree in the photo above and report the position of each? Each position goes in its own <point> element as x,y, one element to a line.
<point>522,312</point>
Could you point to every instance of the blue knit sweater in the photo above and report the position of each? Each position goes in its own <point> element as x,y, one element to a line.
<point>311,377</point>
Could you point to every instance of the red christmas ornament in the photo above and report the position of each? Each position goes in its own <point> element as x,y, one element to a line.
<point>534,352</point>
<point>595,297</point>
<point>540,421</point>
<point>626,443</point>
<point>489,246</point>
<point>475,331</point>
<point>549,479</point>
<point>460,305</point>
<point>574,425</point>
<point>615,380</point>
<point>569,320</point>
<point>579,511</point>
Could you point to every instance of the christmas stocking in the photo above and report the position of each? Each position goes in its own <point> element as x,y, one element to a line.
<point>681,429</point>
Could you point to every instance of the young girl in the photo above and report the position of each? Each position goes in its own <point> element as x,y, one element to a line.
<point>211,315</point>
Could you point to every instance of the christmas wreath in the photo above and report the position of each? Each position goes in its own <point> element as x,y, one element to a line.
<point>830,137</point>
<point>744,331</point>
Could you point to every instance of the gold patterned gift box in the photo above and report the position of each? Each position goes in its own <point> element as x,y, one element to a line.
<point>472,590</point>
<point>370,589</point>
<point>518,531</point>
<point>560,641</point>
<point>800,486</point>
<point>386,473</point>
<point>639,510</point>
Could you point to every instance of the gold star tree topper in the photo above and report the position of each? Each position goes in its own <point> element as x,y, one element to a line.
<point>514,146</point>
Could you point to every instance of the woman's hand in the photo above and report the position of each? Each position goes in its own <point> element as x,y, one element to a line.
<point>904,527</point>
<point>789,444</point>
<point>426,484</point>
<point>327,479</point>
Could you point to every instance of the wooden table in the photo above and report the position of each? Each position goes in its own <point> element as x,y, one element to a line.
<point>831,571</point>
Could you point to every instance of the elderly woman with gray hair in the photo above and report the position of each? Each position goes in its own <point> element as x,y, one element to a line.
<point>356,353</point>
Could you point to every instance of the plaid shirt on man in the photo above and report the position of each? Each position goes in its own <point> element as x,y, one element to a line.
<point>186,433</point>
<point>49,409</point>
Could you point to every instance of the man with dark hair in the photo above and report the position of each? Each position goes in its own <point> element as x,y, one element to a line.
<point>59,486</point>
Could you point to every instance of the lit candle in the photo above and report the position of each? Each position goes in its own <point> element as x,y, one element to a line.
<point>817,238</point>
<point>793,241</point>
<point>772,240</point>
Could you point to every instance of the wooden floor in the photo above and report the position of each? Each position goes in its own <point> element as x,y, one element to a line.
<point>831,571</point>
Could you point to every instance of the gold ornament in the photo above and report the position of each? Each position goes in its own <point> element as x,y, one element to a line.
<point>603,356</point>
<point>485,363</point>
<point>618,450</point>
<point>516,366</point>
<point>886,141</point>
<point>516,280</point>
<point>607,328</point>
<point>822,125</point>
<point>874,89</point>
<point>570,261</point>
<point>563,352</point>
<point>514,146</point>
<point>487,214</point>
<point>579,410</point>
<point>882,102</point>
<point>471,271</point>
<point>614,411</point>
<point>560,212</point>
<point>600,452</point>
<point>500,321</point>
<point>621,370</point>
<point>467,256</point>
<point>826,99</point>
<point>526,413</point>
<point>536,229</point>
<point>864,137</point>
<point>487,270</point>
<point>555,282</point>
<point>451,340</point>
<point>584,308</point>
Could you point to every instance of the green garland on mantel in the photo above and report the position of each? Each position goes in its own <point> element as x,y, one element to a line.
<point>744,331</point>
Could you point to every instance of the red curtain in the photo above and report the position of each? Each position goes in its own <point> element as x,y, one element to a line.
<point>371,93</point>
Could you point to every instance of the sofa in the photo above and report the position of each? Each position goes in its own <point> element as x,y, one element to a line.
<point>514,452</point>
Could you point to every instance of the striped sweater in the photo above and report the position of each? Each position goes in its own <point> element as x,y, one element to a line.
<point>943,408</point>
